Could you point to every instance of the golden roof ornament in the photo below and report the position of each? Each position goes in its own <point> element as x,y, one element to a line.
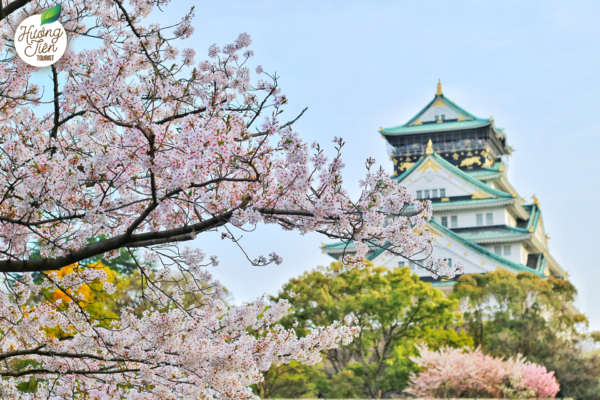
<point>535,200</point>
<point>439,88</point>
<point>429,149</point>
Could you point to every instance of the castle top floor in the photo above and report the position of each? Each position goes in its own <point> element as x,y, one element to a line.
<point>464,140</point>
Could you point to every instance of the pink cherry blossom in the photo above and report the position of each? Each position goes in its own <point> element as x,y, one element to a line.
<point>130,142</point>
<point>468,372</point>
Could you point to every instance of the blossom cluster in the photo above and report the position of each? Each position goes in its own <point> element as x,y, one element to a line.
<point>470,373</point>
<point>212,351</point>
<point>139,145</point>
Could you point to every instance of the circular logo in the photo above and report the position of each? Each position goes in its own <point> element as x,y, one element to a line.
<point>41,40</point>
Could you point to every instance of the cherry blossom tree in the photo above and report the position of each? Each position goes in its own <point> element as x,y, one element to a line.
<point>468,372</point>
<point>131,145</point>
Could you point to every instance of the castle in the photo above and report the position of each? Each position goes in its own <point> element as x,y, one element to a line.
<point>458,161</point>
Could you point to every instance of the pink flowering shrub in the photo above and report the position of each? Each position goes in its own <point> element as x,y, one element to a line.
<point>534,379</point>
<point>468,372</point>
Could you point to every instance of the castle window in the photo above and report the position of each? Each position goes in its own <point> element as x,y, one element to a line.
<point>443,117</point>
<point>479,218</point>
<point>445,222</point>
<point>437,117</point>
<point>507,250</point>
<point>489,219</point>
<point>498,250</point>
<point>442,192</point>
<point>401,264</point>
<point>426,193</point>
<point>449,263</point>
<point>419,194</point>
<point>434,193</point>
<point>454,221</point>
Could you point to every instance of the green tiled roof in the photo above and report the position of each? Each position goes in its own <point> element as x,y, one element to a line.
<point>461,174</point>
<point>534,211</point>
<point>446,102</point>
<point>457,172</point>
<point>483,174</point>
<point>484,252</point>
<point>444,126</point>
<point>486,173</point>
<point>509,265</point>
<point>474,203</point>
<point>470,122</point>
<point>340,246</point>
<point>482,235</point>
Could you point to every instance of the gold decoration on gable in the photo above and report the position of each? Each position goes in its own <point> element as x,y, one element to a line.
<point>461,118</point>
<point>429,164</point>
<point>439,103</point>
<point>435,232</point>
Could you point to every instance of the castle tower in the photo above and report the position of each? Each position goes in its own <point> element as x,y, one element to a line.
<point>458,136</point>
<point>457,161</point>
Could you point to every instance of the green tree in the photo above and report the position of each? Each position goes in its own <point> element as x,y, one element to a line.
<point>395,310</point>
<point>510,314</point>
<point>291,381</point>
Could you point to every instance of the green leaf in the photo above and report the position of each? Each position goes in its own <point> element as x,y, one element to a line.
<point>51,15</point>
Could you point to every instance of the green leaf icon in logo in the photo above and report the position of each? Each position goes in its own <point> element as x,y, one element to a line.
<point>51,15</point>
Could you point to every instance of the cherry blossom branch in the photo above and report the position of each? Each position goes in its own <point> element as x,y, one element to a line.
<point>12,7</point>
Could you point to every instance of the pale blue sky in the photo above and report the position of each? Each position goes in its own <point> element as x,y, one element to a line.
<point>532,65</point>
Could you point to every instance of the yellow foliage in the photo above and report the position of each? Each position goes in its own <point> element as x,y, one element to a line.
<point>86,291</point>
